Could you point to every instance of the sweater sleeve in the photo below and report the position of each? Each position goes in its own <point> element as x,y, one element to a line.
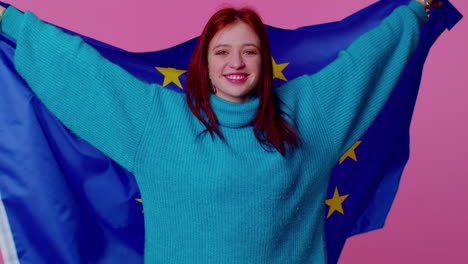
<point>349,93</point>
<point>97,99</point>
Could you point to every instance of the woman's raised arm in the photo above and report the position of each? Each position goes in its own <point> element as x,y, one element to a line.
<point>348,94</point>
<point>353,89</point>
<point>95,98</point>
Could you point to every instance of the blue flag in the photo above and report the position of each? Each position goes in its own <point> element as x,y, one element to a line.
<point>63,201</point>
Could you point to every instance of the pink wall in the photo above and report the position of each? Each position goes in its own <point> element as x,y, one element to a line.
<point>428,223</point>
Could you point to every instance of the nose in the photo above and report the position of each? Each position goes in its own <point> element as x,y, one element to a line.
<point>237,62</point>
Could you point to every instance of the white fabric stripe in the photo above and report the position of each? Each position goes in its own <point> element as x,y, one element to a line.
<point>7,246</point>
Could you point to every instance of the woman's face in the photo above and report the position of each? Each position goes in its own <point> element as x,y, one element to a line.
<point>234,62</point>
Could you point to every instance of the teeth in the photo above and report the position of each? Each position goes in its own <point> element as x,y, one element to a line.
<point>236,77</point>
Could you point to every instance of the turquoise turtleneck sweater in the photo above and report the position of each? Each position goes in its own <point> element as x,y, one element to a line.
<point>208,200</point>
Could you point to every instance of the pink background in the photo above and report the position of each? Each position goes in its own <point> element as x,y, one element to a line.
<point>428,222</point>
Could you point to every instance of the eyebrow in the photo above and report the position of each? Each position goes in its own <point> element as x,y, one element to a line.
<point>227,45</point>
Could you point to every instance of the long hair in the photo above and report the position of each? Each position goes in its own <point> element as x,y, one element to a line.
<point>270,127</point>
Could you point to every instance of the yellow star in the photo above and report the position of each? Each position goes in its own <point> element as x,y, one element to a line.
<point>351,152</point>
<point>141,201</point>
<point>278,70</point>
<point>335,203</point>
<point>171,75</point>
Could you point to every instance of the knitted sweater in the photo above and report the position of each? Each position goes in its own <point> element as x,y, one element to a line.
<point>207,200</point>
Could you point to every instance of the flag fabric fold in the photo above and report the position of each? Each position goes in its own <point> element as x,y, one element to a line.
<point>63,201</point>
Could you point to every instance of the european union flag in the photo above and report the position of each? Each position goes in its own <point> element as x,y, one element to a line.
<point>52,207</point>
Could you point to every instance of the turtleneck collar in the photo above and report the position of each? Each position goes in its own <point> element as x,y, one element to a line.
<point>234,115</point>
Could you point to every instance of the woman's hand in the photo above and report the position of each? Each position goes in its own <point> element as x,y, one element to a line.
<point>424,4</point>
<point>427,4</point>
<point>2,10</point>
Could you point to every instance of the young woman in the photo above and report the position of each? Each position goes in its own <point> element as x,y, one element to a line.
<point>232,172</point>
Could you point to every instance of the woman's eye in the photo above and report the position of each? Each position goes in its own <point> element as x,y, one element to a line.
<point>250,52</point>
<point>221,52</point>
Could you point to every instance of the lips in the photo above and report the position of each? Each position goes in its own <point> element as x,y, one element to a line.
<point>236,77</point>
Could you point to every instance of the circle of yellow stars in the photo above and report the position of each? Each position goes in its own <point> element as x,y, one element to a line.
<point>171,75</point>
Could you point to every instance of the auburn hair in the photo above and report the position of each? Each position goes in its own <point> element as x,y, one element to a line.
<point>270,127</point>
